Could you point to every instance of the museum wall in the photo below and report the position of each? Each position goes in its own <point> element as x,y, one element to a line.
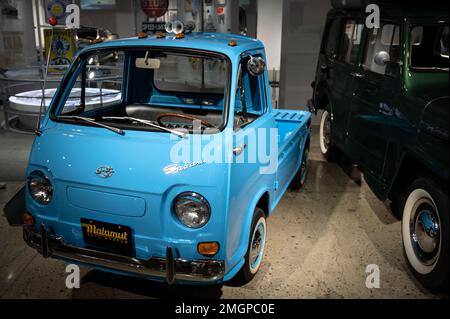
<point>17,44</point>
<point>303,23</point>
<point>270,17</point>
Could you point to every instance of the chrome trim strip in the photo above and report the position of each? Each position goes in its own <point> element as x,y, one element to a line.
<point>202,271</point>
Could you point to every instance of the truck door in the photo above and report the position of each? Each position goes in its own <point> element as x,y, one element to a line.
<point>374,102</point>
<point>327,60</point>
<point>251,119</point>
<point>342,74</point>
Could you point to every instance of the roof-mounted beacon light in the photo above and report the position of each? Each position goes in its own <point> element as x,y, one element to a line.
<point>169,27</point>
<point>179,28</point>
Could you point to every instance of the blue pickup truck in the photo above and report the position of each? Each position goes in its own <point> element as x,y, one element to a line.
<point>161,157</point>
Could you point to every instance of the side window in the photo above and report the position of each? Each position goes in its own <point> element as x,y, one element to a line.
<point>98,85</point>
<point>429,46</point>
<point>331,41</point>
<point>386,39</point>
<point>443,43</point>
<point>351,42</point>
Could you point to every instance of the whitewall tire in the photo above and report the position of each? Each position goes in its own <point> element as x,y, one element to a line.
<point>425,233</point>
<point>327,147</point>
<point>255,250</point>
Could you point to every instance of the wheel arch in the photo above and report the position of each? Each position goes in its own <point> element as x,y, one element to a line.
<point>262,201</point>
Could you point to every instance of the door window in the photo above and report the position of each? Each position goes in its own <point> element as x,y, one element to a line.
<point>385,39</point>
<point>351,42</point>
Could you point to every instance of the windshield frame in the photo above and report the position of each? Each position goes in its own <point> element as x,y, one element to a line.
<point>72,73</point>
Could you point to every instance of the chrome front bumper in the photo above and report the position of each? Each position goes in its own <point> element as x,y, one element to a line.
<point>195,271</point>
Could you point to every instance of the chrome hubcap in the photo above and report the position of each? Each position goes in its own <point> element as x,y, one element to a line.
<point>425,232</point>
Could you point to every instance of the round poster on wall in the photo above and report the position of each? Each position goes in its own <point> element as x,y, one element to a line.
<point>155,8</point>
<point>57,9</point>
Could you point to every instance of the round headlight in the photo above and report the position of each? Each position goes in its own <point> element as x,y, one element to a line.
<point>40,188</point>
<point>192,210</point>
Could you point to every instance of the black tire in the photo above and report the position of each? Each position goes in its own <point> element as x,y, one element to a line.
<point>329,150</point>
<point>398,204</point>
<point>247,273</point>
<point>300,177</point>
<point>425,233</point>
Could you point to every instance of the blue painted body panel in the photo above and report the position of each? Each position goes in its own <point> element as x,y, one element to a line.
<point>140,194</point>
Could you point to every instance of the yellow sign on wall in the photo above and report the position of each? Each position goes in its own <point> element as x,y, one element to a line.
<point>62,49</point>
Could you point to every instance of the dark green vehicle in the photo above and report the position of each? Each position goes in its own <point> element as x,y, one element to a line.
<point>385,96</point>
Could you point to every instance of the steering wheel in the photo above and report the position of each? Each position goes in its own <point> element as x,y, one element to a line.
<point>182,116</point>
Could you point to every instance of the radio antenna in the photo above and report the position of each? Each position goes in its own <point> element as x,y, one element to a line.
<point>52,21</point>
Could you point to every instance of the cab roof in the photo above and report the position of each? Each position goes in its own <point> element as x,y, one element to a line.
<point>214,42</point>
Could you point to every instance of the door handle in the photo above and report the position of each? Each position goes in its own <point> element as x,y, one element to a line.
<point>324,67</point>
<point>358,75</point>
<point>239,150</point>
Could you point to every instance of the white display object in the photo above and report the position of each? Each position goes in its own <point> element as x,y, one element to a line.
<point>31,101</point>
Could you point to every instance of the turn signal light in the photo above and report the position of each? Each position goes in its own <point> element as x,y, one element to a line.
<point>28,219</point>
<point>142,35</point>
<point>160,35</point>
<point>232,43</point>
<point>180,36</point>
<point>97,40</point>
<point>208,249</point>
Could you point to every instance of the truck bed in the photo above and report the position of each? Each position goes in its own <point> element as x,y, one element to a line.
<point>290,123</point>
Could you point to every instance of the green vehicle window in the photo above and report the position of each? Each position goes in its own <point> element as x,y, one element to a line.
<point>351,42</point>
<point>429,47</point>
<point>386,39</point>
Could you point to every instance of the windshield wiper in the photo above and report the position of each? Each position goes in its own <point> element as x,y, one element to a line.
<point>148,123</point>
<point>92,121</point>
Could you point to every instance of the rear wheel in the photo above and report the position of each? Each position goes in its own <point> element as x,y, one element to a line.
<point>329,151</point>
<point>425,233</point>
<point>300,177</point>
<point>255,250</point>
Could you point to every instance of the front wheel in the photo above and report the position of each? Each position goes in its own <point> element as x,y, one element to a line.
<point>255,250</point>
<point>425,233</point>
<point>328,149</point>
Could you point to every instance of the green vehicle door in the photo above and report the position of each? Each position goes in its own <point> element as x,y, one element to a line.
<point>341,78</point>
<point>376,98</point>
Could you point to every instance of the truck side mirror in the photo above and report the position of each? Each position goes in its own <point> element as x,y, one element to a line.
<point>256,66</point>
<point>382,58</point>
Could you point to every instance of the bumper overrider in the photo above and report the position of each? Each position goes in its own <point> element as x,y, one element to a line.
<point>195,271</point>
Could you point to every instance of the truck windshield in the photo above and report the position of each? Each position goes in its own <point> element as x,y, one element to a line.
<point>170,89</point>
<point>429,47</point>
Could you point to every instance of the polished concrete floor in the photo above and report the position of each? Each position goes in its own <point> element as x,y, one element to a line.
<point>320,241</point>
